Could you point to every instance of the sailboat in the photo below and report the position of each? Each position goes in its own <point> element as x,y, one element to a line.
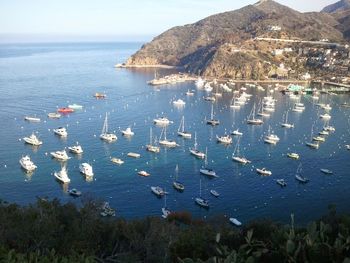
<point>234,104</point>
<point>105,135</point>
<point>165,141</point>
<point>262,112</point>
<point>200,200</point>
<point>251,118</point>
<point>271,138</point>
<point>150,147</point>
<point>299,177</point>
<point>181,131</point>
<point>311,144</point>
<point>205,170</point>
<point>212,121</point>
<point>177,185</point>
<point>236,156</point>
<point>165,211</point>
<point>286,124</point>
<point>194,151</point>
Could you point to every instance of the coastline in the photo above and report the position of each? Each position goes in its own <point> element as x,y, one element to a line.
<point>144,66</point>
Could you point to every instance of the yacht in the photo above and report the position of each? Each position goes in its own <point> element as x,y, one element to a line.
<point>236,155</point>
<point>128,132</point>
<point>323,132</point>
<point>133,155</point>
<point>62,175</point>
<point>86,169</point>
<point>179,102</point>
<point>32,119</point>
<point>27,164</point>
<point>181,130</point>
<point>212,121</point>
<point>252,120</point>
<point>117,160</point>
<point>194,151</point>
<point>33,140</point>
<point>237,133</point>
<point>60,155</point>
<point>143,173</point>
<point>54,115</point>
<point>200,200</point>
<point>286,124</point>
<point>75,106</point>
<point>165,142</point>
<point>206,170</point>
<point>178,185</point>
<point>105,135</point>
<point>226,139</point>
<point>281,182</point>
<point>61,131</point>
<point>264,171</point>
<point>150,147</point>
<point>162,121</point>
<point>77,149</point>
<point>158,191</point>
<point>293,155</point>
<point>329,128</point>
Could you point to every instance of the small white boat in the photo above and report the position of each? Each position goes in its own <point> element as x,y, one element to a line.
<point>62,175</point>
<point>313,145</point>
<point>189,93</point>
<point>329,128</point>
<point>165,212</point>
<point>214,193</point>
<point>54,115</point>
<point>293,155</point>
<point>105,135</point>
<point>60,155</point>
<point>128,132</point>
<point>281,182</point>
<point>181,130</point>
<point>86,169</point>
<point>74,192</point>
<point>235,221</point>
<point>143,173</point>
<point>326,107</point>
<point>271,137</point>
<point>326,171</point>
<point>32,119</point>
<point>75,106</point>
<point>325,116</point>
<point>226,139</point>
<point>117,160</point>
<point>318,139</point>
<point>77,149</point>
<point>264,171</point>
<point>179,102</point>
<point>237,133</point>
<point>210,98</point>
<point>33,140</point>
<point>61,131</point>
<point>270,141</point>
<point>194,151</point>
<point>134,155</point>
<point>162,121</point>
<point>158,191</point>
<point>323,133</point>
<point>202,202</point>
<point>347,146</point>
<point>27,164</point>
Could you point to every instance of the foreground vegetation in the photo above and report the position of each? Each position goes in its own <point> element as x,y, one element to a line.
<point>52,232</point>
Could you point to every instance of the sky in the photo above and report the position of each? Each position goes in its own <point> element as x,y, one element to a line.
<point>112,20</point>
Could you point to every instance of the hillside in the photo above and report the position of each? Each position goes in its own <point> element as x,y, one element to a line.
<point>341,12</point>
<point>342,5</point>
<point>220,45</point>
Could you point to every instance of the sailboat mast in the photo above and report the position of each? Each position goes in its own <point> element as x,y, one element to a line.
<point>150,135</point>
<point>206,156</point>
<point>195,140</point>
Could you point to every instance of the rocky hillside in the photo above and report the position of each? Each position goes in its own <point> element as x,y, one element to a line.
<point>341,12</point>
<point>337,7</point>
<point>221,45</point>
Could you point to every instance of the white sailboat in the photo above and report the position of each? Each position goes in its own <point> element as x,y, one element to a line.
<point>299,177</point>
<point>311,144</point>
<point>271,138</point>
<point>237,157</point>
<point>178,185</point>
<point>212,121</point>
<point>234,104</point>
<point>181,130</point>
<point>105,135</point>
<point>165,141</point>
<point>165,211</point>
<point>151,147</point>
<point>206,170</point>
<point>194,151</point>
<point>200,200</point>
<point>286,124</point>
<point>251,118</point>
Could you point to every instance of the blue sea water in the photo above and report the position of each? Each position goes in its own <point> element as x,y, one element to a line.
<point>36,79</point>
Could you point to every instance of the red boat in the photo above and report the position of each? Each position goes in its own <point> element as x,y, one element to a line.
<point>65,110</point>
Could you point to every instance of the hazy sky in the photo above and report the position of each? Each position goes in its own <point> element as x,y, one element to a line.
<point>113,19</point>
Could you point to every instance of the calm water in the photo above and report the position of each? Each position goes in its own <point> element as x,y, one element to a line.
<point>36,79</point>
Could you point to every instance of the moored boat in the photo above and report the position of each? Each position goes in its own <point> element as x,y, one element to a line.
<point>117,160</point>
<point>326,171</point>
<point>61,131</point>
<point>293,155</point>
<point>32,119</point>
<point>74,192</point>
<point>65,110</point>
<point>77,149</point>
<point>33,140</point>
<point>86,169</point>
<point>27,164</point>
<point>235,221</point>
<point>62,175</point>
<point>263,171</point>
<point>281,182</point>
<point>60,155</point>
<point>143,173</point>
<point>54,115</point>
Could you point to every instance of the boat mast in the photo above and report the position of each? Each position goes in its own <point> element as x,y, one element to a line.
<point>195,141</point>
<point>206,155</point>
<point>176,172</point>
<point>150,135</point>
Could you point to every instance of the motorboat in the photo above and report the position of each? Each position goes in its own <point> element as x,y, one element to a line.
<point>281,182</point>
<point>54,115</point>
<point>27,164</point>
<point>62,175</point>
<point>134,155</point>
<point>65,110</point>
<point>323,133</point>
<point>181,130</point>
<point>151,147</point>
<point>326,171</point>
<point>77,149</point>
<point>107,210</point>
<point>128,132</point>
<point>75,106</point>
<point>237,133</point>
<point>318,139</point>
<point>179,102</point>
<point>274,142</point>
<point>178,186</point>
<point>60,155</point>
<point>117,160</point>
<point>212,121</point>
<point>263,171</point>
<point>162,121</point>
<point>158,191</point>
<point>143,173</point>
<point>86,169</point>
<point>293,155</point>
<point>313,145</point>
<point>33,140</point>
<point>329,128</point>
<point>99,95</point>
<point>210,98</point>
<point>226,139</point>
<point>235,221</point>
<point>32,119</point>
<point>214,193</point>
<point>202,202</point>
<point>74,192</point>
<point>61,131</point>
<point>105,135</point>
